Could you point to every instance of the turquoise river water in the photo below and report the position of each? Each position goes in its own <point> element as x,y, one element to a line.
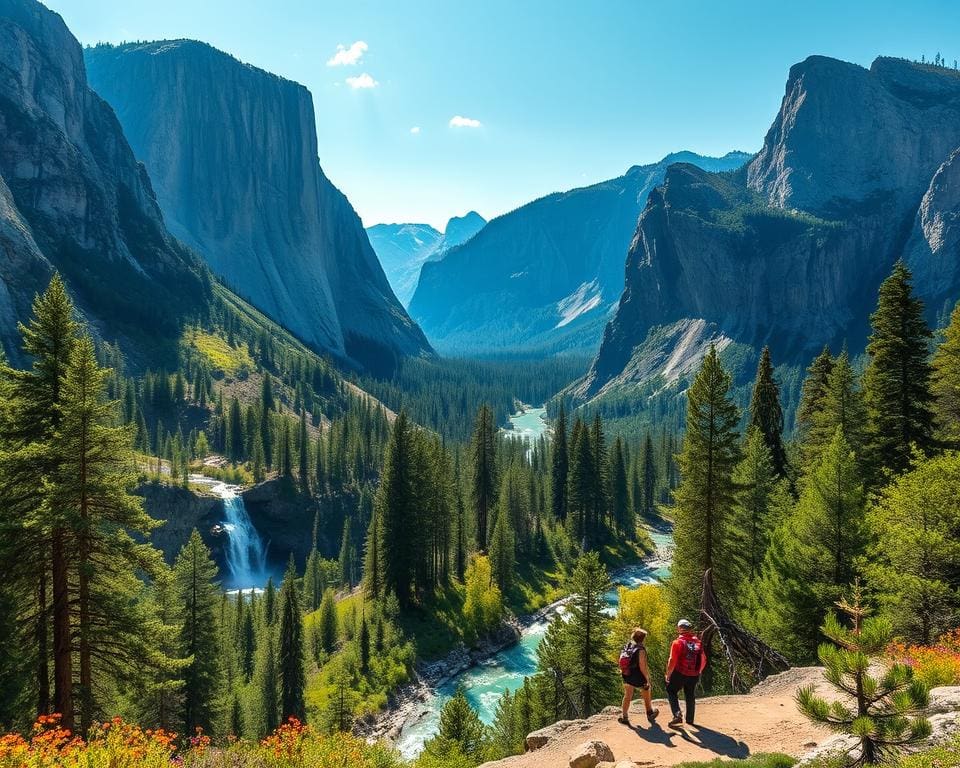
<point>486,682</point>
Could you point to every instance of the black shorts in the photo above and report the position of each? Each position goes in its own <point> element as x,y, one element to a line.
<point>635,678</point>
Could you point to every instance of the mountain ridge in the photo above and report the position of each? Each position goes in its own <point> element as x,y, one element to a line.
<point>232,151</point>
<point>543,277</point>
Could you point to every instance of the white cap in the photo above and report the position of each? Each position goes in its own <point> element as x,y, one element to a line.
<point>684,624</point>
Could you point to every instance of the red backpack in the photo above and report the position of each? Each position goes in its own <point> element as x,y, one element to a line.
<point>628,658</point>
<point>690,654</point>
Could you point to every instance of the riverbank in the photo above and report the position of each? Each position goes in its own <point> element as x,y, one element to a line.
<point>499,664</point>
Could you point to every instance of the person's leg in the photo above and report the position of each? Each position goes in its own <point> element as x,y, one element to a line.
<point>673,687</point>
<point>648,702</point>
<point>627,698</point>
<point>690,695</point>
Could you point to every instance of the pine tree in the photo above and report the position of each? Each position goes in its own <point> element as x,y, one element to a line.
<point>327,622</point>
<point>812,557</point>
<point>620,494</point>
<point>579,482</point>
<point>503,557</point>
<point>766,414</point>
<point>89,488</point>
<point>812,392</point>
<point>897,379</point>
<point>460,726</point>
<point>373,578</point>
<point>914,558</point>
<point>339,714</point>
<point>303,444</point>
<point>946,383</point>
<point>590,680</point>
<point>293,680</point>
<point>754,515</point>
<point>394,506</point>
<point>841,406</point>
<point>885,713</point>
<point>599,482</point>
<point>160,697</point>
<point>35,552</point>
<point>194,574</point>
<point>559,468</point>
<point>347,557</point>
<point>649,477</point>
<point>267,685</point>
<point>484,473</point>
<point>363,645</point>
<point>706,497</point>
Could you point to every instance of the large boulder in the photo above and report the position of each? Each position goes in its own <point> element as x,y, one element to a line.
<point>590,754</point>
<point>544,736</point>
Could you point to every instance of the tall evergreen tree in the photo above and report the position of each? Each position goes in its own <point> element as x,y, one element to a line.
<point>558,468</point>
<point>90,489</point>
<point>649,476</point>
<point>754,516</point>
<point>394,506</point>
<point>766,413</point>
<point>194,574</point>
<point>590,679</point>
<point>35,537</point>
<point>841,407</point>
<point>706,497</point>
<point>579,482</point>
<point>293,679</point>
<point>503,557</point>
<point>620,493</point>
<point>813,390</point>
<point>946,383</point>
<point>897,379</point>
<point>484,476</point>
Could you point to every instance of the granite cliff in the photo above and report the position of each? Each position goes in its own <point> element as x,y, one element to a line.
<point>232,152</point>
<point>74,198</point>
<point>857,171</point>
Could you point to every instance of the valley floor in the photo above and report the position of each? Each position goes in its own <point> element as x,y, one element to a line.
<point>765,720</point>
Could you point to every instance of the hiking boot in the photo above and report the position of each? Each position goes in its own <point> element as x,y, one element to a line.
<point>623,720</point>
<point>676,722</point>
<point>652,714</point>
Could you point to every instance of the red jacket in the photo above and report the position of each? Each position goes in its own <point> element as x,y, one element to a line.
<point>684,659</point>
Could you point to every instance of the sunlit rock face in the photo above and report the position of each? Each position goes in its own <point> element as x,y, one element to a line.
<point>858,170</point>
<point>232,151</point>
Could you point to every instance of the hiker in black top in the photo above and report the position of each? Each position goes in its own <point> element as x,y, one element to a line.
<point>636,674</point>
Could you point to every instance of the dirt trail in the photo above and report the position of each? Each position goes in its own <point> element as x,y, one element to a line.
<point>765,720</point>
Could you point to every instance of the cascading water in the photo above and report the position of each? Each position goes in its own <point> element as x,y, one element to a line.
<point>245,554</point>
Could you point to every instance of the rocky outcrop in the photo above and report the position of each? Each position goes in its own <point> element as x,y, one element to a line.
<point>590,754</point>
<point>179,511</point>
<point>546,276</point>
<point>791,250</point>
<point>74,198</point>
<point>232,151</point>
<point>459,229</point>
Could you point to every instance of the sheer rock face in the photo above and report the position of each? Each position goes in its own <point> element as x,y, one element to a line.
<point>546,276</point>
<point>232,151</point>
<point>402,250</point>
<point>74,198</point>
<point>791,251</point>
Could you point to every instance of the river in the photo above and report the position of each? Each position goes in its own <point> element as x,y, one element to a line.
<point>505,671</point>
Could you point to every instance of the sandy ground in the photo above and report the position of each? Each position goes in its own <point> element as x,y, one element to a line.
<point>766,720</point>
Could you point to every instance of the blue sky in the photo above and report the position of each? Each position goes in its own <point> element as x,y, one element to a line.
<point>565,93</point>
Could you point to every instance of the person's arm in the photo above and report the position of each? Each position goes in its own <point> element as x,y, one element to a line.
<point>703,659</point>
<point>672,663</point>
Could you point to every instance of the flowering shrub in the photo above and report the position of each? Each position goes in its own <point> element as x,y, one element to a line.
<point>117,744</point>
<point>937,664</point>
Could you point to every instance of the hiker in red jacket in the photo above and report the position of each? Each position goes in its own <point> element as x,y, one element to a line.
<point>687,661</point>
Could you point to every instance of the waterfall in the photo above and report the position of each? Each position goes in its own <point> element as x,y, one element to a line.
<point>245,554</point>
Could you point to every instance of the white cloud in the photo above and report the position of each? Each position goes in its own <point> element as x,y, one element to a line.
<point>362,81</point>
<point>459,121</point>
<point>345,56</point>
<point>415,130</point>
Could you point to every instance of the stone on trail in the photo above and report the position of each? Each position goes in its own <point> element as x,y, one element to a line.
<point>590,754</point>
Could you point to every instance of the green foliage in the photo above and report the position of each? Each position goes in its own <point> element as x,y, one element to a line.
<point>484,474</point>
<point>897,378</point>
<point>753,761</point>
<point>460,727</point>
<point>483,606</point>
<point>913,562</point>
<point>841,407</point>
<point>194,573</point>
<point>883,712</point>
<point>291,653</point>
<point>706,498</point>
<point>945,384</point>
<point>766,415</point>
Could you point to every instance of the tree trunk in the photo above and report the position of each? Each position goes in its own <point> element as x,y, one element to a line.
<point>43,652</point>
<point>62,658</point>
